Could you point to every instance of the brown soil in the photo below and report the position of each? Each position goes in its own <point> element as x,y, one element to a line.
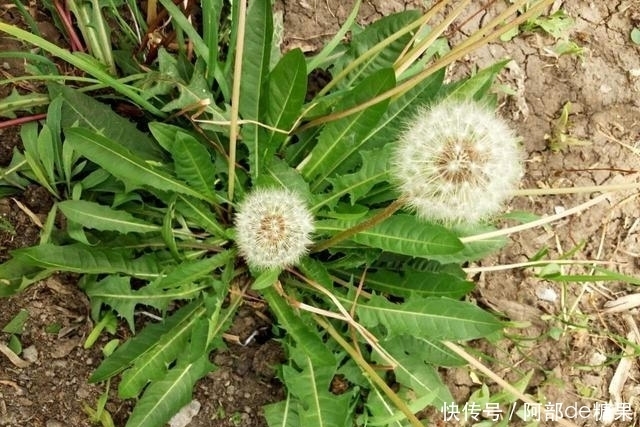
<point>577,366</point>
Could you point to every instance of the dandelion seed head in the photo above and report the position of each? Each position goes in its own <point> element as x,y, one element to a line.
<point>273,228</point>
<point>456,163</point>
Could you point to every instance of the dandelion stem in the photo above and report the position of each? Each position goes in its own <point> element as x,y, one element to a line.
<point>364,225</point>
<point>235,97</point>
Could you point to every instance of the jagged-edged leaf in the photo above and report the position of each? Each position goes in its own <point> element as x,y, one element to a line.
<point>83,259</point>
<point>104,218</point>
<point>123,164</point>
<point>145,341</point>
<point>32,141</point>
<point>401,110</point>
<point>430,317</point>
<point>286,89</point>
<point>255,67</point>
<point>198,212</point>
<point>429,351</point>
<point>419,283</point>
<point>15,274</point>
<point>317,405</point>
<point>152,364</point>
<point>193,164</point>
<point>421,384</point>
<point>189,271</point>
<point>373,34</point>
<point>283,413</point>
<point>402,234</point>
<point>476,86</point>
<point>303,335</point>
<point>472,251</point>
<point>278,174</point>
<point>339,139</point>
<point>374,170</point>
<point>18,102</point>
<point>84,111</point>
<point>116,292</point>
<point>163,398</point>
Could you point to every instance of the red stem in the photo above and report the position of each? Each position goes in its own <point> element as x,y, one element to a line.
<point>74,40</point>
<point>22,120</point>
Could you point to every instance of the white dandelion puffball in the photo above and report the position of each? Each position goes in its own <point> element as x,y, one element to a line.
<point>273,228</point>
<point>457,163</point>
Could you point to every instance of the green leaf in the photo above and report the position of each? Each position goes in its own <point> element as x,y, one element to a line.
<point>429,351</point>
<point>282,414</point>
<point>476,86</point>
<point>193,164</point>
<point>84,111</point>
<point>188,272</point>
<point>401,234</point>
<point>401,110</point>
<point>104,218</point>
<point>211,10</point>
<point>145,341</point>
<point>116,292</point>
<point>301,333</point>
<point>255,67</point>
<point>286,89</point>
<point>17,102</point>
<point>16,325</point>
<point>341,138</point>
<point>472,251</point>
<point>123,164</point>
<point>374,170</point>
<point>419,283</point>
<point>368,38</point>
<point>31,142</point>
<point>430,318</point>
<point>162,399</point>
<point>635,35</point>
<point>280,175</point>
<point>318,406</point>
<point>198,212</point>
<point>266,279</point>
<point>82,259</point>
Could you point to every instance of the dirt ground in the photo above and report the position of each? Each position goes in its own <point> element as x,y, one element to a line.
<point>571,343</point>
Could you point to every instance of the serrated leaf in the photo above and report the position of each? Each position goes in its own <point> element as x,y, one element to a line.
<point>280,175</point>
<point>190,271</point>
<point>472,251</point>
<point>286,89</point>
<point>104,218</point>
<point>419,283</point>
<point>401,234</point>
<point>476,86</point>
<point>429,351</point>
<point>116,292</point>
<point>193,164</point>
<point>84,111</point>
<point>145,341</point>
<point>373,34</point>
<point>282,414</point>
<point>339,139</point>
<point>431,318</point>
<point>163,398</point>
<point>374,170</point>
<point>123,164</point>
<point>255,67</point>
<point>318,406</point>
<point>82,259</point>
<point>304,336</point>
<point>198,212</point>
<point>17,102</point>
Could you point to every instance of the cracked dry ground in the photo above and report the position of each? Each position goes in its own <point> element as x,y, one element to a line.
<point>574,366</point>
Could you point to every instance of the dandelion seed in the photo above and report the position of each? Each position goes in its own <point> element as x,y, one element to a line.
<point>273,228</point>
<point>457,163</point>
